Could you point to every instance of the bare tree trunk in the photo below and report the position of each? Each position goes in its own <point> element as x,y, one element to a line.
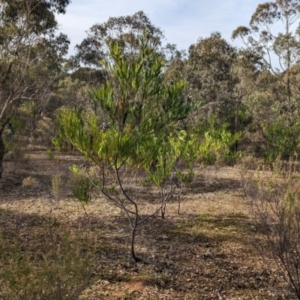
<point>133,233</point>
<point>2,152</point>
<point>163,211</point>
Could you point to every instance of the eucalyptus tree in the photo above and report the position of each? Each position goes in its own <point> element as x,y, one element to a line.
<point>175,64</point>
<point>125,30</point>
<point>30,54</point>
<point>209,72</point>
<point>279,52</point>
<point>72,90</point>
<point>94,49</point>
<point>144,139</point>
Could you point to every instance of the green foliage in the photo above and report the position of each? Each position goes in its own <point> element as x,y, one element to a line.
<point>82,185</point>
<point>52,262</point>
<point>143,114</point>
<point>74,169</point>
<point>145,136</point>
<point>17,123</point>
<point>30,53</point>
<point>281,141</point>
<point>272,97</point>
<point>60,141</point>
<point>186,177</point>
<point>209,72</point>
<point>144,131</point>
<point>31,58</point>
<point>126,31</point>
<point>27,108</point>
<point>50,154</point>
<point>217,144</point>
<point>7,146</point>
<point>82,189</point>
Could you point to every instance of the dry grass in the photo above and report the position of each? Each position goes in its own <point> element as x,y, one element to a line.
<point>206,252</point>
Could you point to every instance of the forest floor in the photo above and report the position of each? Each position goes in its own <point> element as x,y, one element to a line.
<point>208,251</point>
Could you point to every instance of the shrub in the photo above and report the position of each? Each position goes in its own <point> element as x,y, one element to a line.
<point>56,185</point>
<point>49,262</point>
<point>281,140</point>
<point>82,189</point>
<point>275,205</point>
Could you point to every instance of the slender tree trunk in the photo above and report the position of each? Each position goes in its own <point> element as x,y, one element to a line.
<point>163,211</point>
<point>288,61</point>
<point>236,120</point>
<point>179,204</point>
<point>2,152</point>
<point>133,233</point>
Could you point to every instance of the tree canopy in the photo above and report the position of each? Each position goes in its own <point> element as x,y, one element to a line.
<point>30,54</point>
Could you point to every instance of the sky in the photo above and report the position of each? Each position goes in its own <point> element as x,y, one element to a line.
<point>182,21</point>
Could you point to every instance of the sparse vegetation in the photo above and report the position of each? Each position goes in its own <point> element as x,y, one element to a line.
<point>176,145</point>
<point>56,186</point>
<point>82,189</point>
<point>203,252</point>
<point>50,154</point>
<point>275,205</point>
<point>46,260</point>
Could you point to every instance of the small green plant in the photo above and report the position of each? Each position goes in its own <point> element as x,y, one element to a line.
<point>51,262</point>
<point>281,141</point>
<point>82,186</point>
<point>216,147</point>
<point>186,177</point>
<point>56,185</point>
<point>82,189</point>
<point>62,145</point>
<point>8,146</point>
<point>16,153</point>
<point>50,154</point>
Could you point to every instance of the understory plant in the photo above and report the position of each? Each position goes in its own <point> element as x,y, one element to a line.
<point>49,260</point>
<point>143,137</point>
<point>135,137</point>
<point>275,205</point>
<point>281,140</point>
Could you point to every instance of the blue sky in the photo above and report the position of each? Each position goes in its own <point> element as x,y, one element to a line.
<point>182,21</point>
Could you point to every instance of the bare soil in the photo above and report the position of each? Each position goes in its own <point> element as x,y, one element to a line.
<point>206,252</point>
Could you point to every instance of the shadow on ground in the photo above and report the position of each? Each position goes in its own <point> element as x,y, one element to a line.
<point>185,257</point>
